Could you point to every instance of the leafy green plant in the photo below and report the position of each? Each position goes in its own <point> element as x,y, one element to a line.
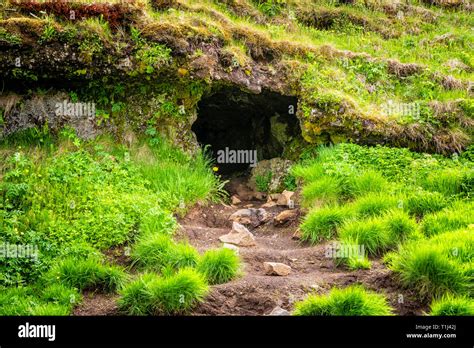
<point>263,181</point>
<point>350,301</point>
<point>270,7</point>
<point>152,58</point>
<point>219,266</point>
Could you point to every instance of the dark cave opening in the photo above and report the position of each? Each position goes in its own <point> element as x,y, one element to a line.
<point>236,126</point>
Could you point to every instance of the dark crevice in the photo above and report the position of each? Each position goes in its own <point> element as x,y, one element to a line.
<point>233,119</point>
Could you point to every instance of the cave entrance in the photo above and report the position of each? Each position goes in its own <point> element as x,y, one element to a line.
<point>237,126</point>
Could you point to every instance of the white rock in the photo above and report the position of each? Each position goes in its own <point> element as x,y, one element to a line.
<point>239,235</point>
<point>276,268</point>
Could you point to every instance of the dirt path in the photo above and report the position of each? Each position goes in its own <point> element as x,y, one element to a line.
<point>255,293</point>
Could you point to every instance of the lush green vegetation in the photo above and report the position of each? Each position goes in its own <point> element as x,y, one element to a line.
<point>350,301</point>
<point>414,208</point>
<point>74,200</point>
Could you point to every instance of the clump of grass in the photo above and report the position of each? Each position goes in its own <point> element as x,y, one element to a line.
<point>357,262</point>
<point>350,301</point>
<point>369,181</point>
<point>453,305</point>
<point>50,309</point>
<point>61,294</point>
<point>439,265</point>
<point>179,177</point>
<point>135,298</point>
<point>369,233</point>
<point>174,294</point>
<point>327,189</point>
<point>321,224</point>
<point>425,202</point>
<point>457,216</point>
<point>88,273</point>
<point>219,266</point>
<point>374,204</point>
<point>446,181</point>
<point>308,173</point>
<point>399,225</point>
<point>155,252</point>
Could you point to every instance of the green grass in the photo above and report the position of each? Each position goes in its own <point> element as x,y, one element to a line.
<point>459,215</point>
<point>219,266</point>
<point>56,299</point>
<point>452,305</point>
<point>439,265</point>
<point>50,309</point>
<point>423,202</point>
<point>367,182</point>
<point>449,181</point>
<point>61,294</point>
<point>374,204</point>
<point>321,223</point>
<point>89,274</point>
<point>158,221</point>
<point>400,226</point>
<point>158,251</point>
<point>176,176</point>
<point>350,301</point>
<point>326,189</point>
<point>369,233</point>
<point>175,294</point>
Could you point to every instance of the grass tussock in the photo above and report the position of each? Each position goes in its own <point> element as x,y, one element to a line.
<point>438,265</point>
<point>157,252</point>
<point>350,301</point>
<point>89,274</point>
<point>154,295</point>
<point>449,305</point>
<point>219,266</point>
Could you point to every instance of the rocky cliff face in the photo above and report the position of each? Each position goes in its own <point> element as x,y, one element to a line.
<point>149,68</point>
